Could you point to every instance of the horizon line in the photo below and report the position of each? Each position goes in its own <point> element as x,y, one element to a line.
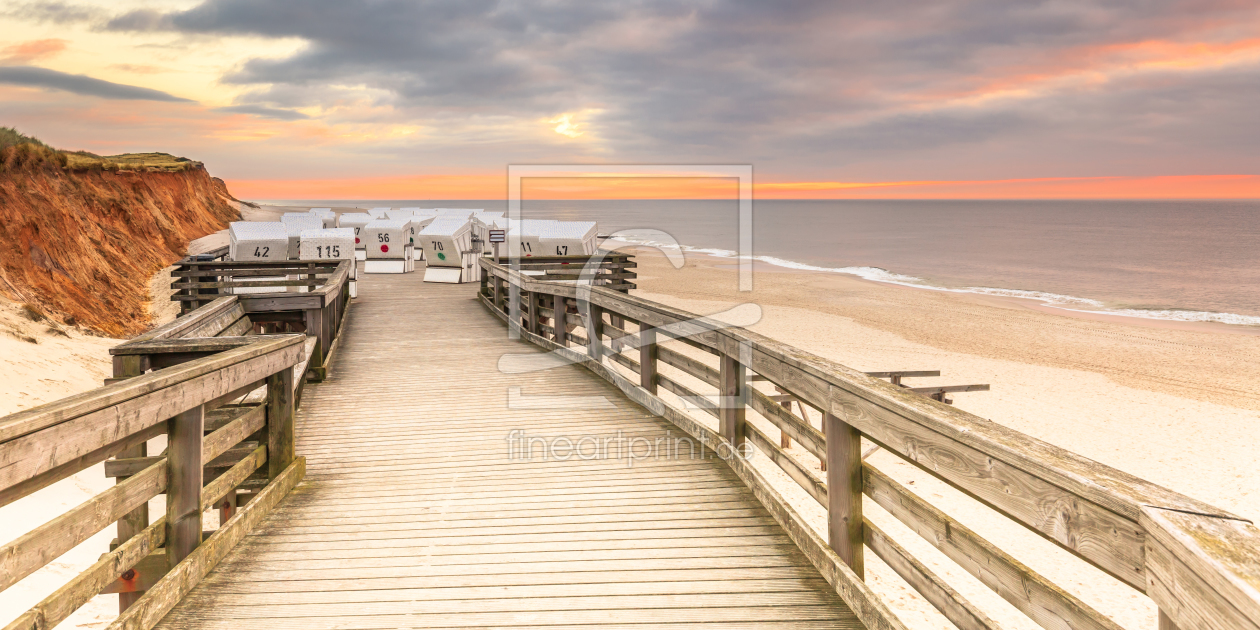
<point>270,201</point>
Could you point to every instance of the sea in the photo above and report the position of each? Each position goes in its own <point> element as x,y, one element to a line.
<point>1195,261</point>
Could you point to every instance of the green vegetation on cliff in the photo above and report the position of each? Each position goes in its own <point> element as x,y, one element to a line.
<point>18,149</point>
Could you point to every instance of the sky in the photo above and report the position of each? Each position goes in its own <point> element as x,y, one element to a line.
<point>405,99</point>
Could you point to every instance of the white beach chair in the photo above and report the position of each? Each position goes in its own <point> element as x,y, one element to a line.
<point>258,241</point>
<point>295,224</point>
<point>529,231</point>
<point>389,249</point>
<point>568,238</point>
<point>356,221</point>
<point>447,246</point>
<point>331,244</point>
<point>327,215</point>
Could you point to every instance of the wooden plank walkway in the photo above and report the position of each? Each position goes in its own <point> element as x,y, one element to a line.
<point>413,514</point>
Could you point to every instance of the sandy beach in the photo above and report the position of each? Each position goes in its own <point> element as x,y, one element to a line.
<point>1170,402</point>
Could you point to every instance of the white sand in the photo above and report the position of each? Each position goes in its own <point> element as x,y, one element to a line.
<point>32,374</point>
<point>1110,413</point>
<point>41,366</point>
<point>1175,406</point>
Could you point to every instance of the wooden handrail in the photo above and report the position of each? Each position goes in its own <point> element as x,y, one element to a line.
<point>255,360</point>
<point>199,282</point>
<point>1103,515</point>
<point>53,441</point>
<point>181,325</point>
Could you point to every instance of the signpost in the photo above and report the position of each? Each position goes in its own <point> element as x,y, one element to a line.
<point>496,237</point>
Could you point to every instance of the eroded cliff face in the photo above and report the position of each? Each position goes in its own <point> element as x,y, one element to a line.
<point>82,245</point>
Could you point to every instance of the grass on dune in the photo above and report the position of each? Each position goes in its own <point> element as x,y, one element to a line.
<point>17,148</point>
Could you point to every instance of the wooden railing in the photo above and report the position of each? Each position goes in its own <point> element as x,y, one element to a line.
<point>318,311</point>
<point>197,282</point>
<point>1200,564</point>
<point>224,434</point>
<point>613,271</point>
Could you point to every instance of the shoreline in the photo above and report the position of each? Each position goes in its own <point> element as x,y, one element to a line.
<point>760,266</point>
<point>1114,392</point>
<point>1174,405</point>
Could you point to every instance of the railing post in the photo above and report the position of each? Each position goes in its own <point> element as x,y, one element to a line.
<point>184,481</point>
<point>844,491</point>
<point>280,442</point>
<point>199,290</point>
<point>648,354</point>
<point>560,319</point>
<point>531,300</point>
<point>595,331</point>
<point>138,519</point>
<point>315,326</point>
<point>1166,622</point>
<point>733,397</point>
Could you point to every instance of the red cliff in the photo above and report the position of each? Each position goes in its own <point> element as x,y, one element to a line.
<point>83,242</point>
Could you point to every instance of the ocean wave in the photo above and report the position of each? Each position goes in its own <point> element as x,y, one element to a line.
<point>1053,300</point>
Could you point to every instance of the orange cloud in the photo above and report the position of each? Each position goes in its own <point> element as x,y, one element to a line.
<point>407,187</point>
<point>494,186</point>
<point>33,50</point>
<point>1099,63</point>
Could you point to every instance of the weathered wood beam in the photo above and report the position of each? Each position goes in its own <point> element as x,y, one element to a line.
<point>145,392</point>
<point>844,491</point>
<point>183,490</point>
<point>649,354</point>
<point>733,401</point>
<point>932,587</point>
<point>1044,602</point>
<point>804,433</point>
<point>903,373</point>
<point>159,600</point>
<point>689,395</point>
<point>190,321</point>
<point>280,421</point>
<point>183,344</point>
<point>47,542</point>
<point>55,608</point>
<point>948,389</point>
<point>53,475</point>
<point>691,366</point>
<point>807,479</point>
<point>1203,571</point>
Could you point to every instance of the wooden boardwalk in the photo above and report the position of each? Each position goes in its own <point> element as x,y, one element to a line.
<point>414,515</point>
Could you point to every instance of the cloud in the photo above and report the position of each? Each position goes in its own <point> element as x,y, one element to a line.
<point>139,68</point>
<point>141,20</point>
<point>25,52</point>
<point>262,111</point>
<point>794,86</point>
<point>31,76</point>
<point>56,12</point>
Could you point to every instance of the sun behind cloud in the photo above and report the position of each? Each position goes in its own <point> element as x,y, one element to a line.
<point>572,124</point>
<point>566,126</point>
